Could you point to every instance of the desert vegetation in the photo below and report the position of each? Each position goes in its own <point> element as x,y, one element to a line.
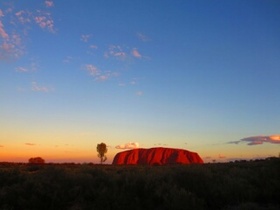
<point>230,186</point>
<point>36,160</point>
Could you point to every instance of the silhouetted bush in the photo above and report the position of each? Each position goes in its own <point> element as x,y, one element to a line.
<point>36,160</point>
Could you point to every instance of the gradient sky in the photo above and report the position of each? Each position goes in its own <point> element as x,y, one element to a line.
<point>197,75</point>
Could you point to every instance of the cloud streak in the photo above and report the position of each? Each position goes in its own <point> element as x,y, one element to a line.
<point>45,21</point>
<point>42,18</point>
<point>258,140</point>
<point>92,70</point>
<point>24,17</point>
<point>30,144</point>
<point>139,93</point>
<point>85,37</point>
<point>115,51</point>
<point>143,37</point>
<point>97,74</point>
<point>38,88</point>
<point>21,69</point>
<point>130,145</point>
<point>49,3</point>
<point>26,69</point>
<point>122,53</point>
<point>136,53</point>
<point>3,33</point>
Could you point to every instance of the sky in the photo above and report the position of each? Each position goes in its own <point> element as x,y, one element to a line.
<point>196,75</point>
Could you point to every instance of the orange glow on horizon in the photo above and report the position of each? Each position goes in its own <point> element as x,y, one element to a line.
<point>275,137</point>
<point>22,154</point>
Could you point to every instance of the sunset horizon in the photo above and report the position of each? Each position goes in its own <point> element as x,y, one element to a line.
<point>195,75</point>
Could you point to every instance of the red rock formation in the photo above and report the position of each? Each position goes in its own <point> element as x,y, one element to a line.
<point>156,156</point>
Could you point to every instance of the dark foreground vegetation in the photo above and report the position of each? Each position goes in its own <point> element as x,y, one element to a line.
<point>238,185</point>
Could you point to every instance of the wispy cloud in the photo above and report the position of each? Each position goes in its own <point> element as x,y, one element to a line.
<point>23,69</point>
<point>68,59</point>
<point>45,21</point>
<point>30,144</point>
<point>97,74</point>
<point>85,37</point>
<point>38,88</point>
<point>130,145</point>
<point>136,53</point>
<point>24,17</point>
<point>132,82</point>
<point>11,48</point>
<point>1,13</point>
<point>20,22</point>
<point>104,76</point>
<point>42,18</point>
<point>115,51</point>
<point>139,93</point>
<point>160,144</point>
<point>3,33</point>
<point>92,70</point>
<point>143,37</point>
<point>1,146</point>
<point>10,44</point>
<point>124,53</point>
<point>257,140</point>
<point>93,47</point>
<point>49,3</point>
<point>234,142</point>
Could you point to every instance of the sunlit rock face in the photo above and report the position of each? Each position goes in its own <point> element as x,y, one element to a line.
<point>156,156</point>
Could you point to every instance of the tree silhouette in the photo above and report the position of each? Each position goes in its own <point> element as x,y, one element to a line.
<point>102,149</point>
<point>36,160</point>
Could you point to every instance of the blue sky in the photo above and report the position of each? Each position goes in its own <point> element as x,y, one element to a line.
<point>197,75</point>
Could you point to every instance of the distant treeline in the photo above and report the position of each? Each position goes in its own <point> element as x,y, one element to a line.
<point>230,186</point>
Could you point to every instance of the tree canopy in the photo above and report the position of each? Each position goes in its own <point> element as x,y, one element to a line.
<point>102,150</point>
<point>36,160</point>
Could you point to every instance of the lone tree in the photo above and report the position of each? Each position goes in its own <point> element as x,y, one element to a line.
<point>36,160</point>
<point>102,149</point>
